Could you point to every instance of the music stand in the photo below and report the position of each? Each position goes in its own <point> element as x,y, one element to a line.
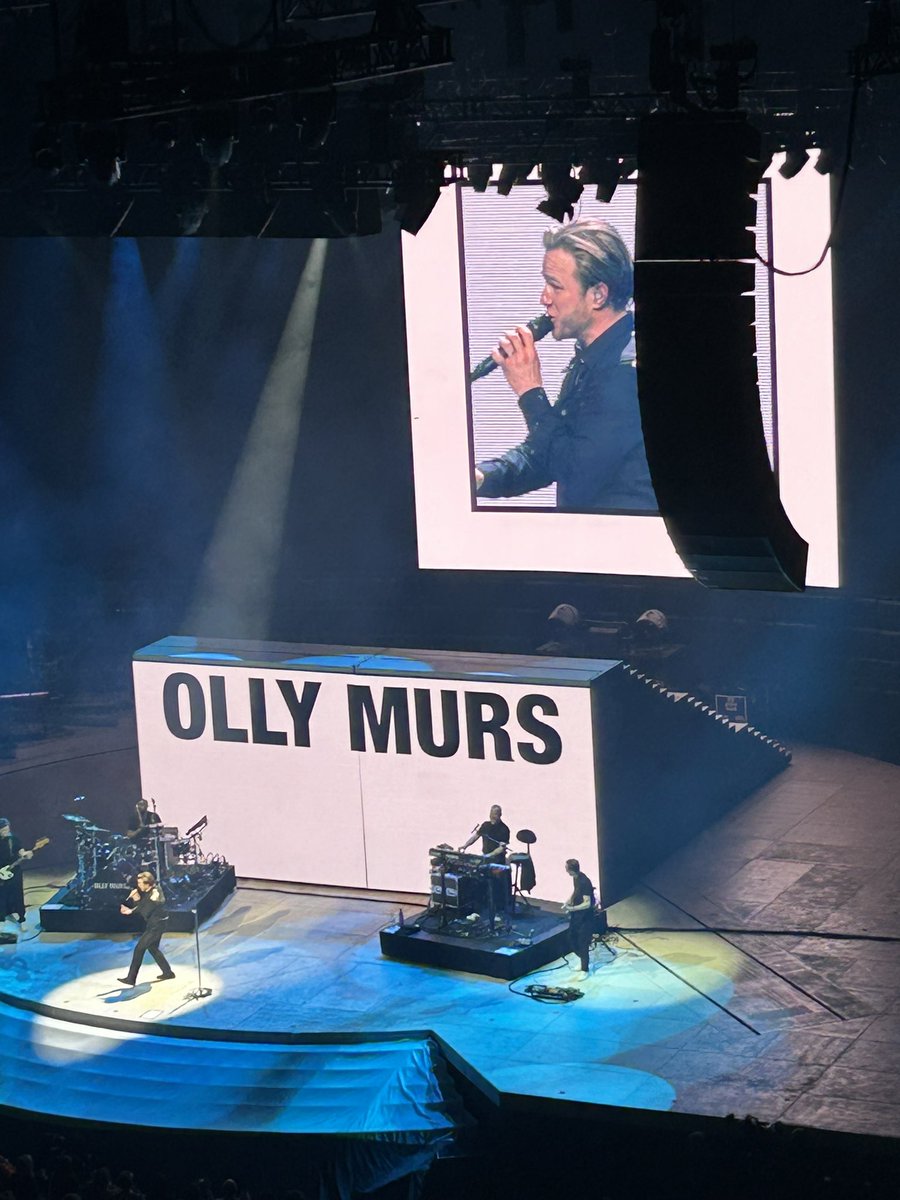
<point>195,835</point>
<point>197,828</point>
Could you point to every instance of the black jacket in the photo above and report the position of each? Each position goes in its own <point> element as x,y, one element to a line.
<point>152,907</point>
<point>590,442</point>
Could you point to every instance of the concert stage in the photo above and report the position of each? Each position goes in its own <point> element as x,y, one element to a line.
<point>201,888</point>
<point>529,939</point>
<point>754,974</point>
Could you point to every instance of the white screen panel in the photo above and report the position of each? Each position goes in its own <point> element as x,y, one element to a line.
<point>360,806</point>
<point>275,811</point>
<point>423,801</point>
<point>457,532</point>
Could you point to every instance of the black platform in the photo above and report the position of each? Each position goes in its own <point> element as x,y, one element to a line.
<point>535,936</point>
<point>202,888</point>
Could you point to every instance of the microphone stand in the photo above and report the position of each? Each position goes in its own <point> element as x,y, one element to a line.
<point>199,992</point>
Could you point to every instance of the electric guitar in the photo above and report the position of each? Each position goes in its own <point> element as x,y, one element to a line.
<point>7,872</point>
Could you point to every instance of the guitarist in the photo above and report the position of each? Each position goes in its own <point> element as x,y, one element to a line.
<point>12,891</point>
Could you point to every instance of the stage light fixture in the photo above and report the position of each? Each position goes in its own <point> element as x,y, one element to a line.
<point>826,161</point>
<point>190,213</point>
<point>314,116</point>
<point>479,176</point>
<point>101,152</point>
<point>511,174</point>
<point>216,136</point>
<point>264,116</point>
<point>795,159</point>
<point>417,186</point>
<point>349,210</point>
<point>46,153</point>
<point>605,173</point>
<point>563,191</point>
<point>164,134</point>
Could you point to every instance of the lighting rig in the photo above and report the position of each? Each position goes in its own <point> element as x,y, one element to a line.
<point>145,121</point>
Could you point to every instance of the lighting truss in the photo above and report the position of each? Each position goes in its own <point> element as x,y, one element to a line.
<point>148,87</point>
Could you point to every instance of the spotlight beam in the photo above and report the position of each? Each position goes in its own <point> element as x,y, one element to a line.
<point>234,592</point>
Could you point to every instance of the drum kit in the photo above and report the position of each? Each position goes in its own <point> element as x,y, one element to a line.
<point>107,863</point>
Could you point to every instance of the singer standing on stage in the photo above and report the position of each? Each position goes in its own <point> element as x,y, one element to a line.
<point>589,443</point>
<point>148,902</point>
<point>494,836</point>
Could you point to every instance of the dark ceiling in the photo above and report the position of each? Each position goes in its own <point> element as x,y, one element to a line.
<point>139,116</point>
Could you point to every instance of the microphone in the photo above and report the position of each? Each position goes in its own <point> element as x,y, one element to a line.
<point>539,326</point>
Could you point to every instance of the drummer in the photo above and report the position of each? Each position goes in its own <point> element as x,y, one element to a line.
<point>144,816</point>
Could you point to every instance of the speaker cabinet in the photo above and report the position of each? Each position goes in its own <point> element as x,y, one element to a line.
<point>696,364</point>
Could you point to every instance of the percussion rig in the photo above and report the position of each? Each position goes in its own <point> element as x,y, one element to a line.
<point>106,863</point>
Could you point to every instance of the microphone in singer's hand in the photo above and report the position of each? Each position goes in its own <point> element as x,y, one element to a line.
<point>539,326</point>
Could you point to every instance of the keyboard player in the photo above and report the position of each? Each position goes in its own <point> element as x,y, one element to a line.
<point>494,836</point>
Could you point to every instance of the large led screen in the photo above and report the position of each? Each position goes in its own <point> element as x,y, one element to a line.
<point>349,778</point>
<point>475,271</point>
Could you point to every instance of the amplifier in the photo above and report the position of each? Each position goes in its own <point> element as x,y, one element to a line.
<point>445,888</point>
<point>458,891</point>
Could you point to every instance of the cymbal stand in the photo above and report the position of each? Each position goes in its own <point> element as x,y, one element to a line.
<point>86,861</point>
<point>492,907</point>
<point>443,921</point>
<point>195,852</point>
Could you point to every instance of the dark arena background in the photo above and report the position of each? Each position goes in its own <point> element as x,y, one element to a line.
<point>263,568</point>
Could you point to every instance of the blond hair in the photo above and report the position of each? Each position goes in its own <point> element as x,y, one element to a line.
<point>600,257</point>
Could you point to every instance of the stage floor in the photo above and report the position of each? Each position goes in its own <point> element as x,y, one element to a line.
<point>785,1025</point>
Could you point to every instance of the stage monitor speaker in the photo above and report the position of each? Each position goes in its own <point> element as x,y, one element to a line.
<point>696,364</point>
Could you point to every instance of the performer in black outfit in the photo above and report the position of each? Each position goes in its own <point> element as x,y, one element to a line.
<point>143,816</point>
<point>148,901</point>
<point>494,836</point>
<point>580,907</point>
<point>12,891</point>
<point>590,442</point>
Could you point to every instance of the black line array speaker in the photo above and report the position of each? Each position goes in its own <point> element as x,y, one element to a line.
<point>696,345</point>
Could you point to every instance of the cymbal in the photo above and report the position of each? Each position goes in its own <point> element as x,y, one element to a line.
<point>76,817</point>
<point>94,829</point>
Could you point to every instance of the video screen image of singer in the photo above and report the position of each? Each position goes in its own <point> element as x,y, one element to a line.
<point>582,449</point>
<point>513,477</point>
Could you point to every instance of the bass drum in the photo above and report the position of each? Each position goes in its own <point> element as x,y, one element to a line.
<point>127,855</point>
<point>112,883</point>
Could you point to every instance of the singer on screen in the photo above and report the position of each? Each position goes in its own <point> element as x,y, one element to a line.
<point>589,443</point>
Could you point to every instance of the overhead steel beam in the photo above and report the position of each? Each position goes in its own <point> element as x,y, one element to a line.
<point>163,86</point>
